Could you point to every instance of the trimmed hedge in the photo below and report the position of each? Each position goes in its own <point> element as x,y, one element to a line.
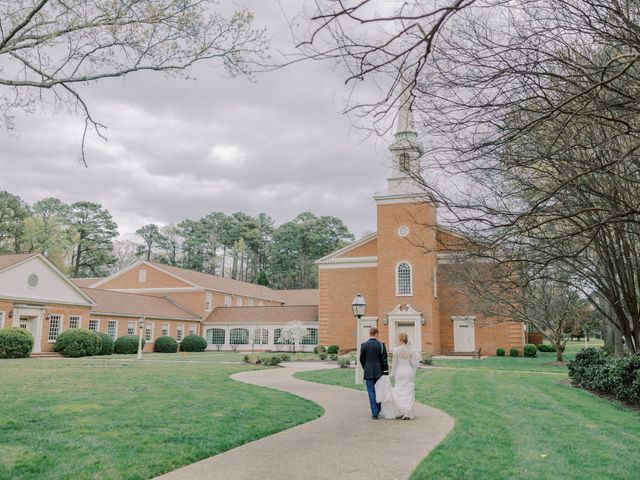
<point>15,342</point>
<point>107,344</point>
<point>500,352</point>
<point>547,347</point>
<point>530,350</point>
<point>78,342</point>
<point>619,377</point>
<point>333,349</point>
<point>127,344</point>
<point>193,343</point>
<point>166,344</point>
<point>514,352</point>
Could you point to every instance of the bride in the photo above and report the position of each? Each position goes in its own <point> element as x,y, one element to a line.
<point>398,401</point>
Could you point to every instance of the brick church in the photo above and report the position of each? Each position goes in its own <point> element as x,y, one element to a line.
<point>405,272</point>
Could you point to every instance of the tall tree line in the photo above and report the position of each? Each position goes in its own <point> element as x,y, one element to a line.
<point>81,239</point>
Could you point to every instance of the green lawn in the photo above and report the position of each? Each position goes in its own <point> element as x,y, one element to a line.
<point>519,424</point>
<point>117,418</point>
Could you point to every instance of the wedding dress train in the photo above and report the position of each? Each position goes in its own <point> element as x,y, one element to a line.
<point>398,400</point>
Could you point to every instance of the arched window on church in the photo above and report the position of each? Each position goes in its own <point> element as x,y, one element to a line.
<point>403,279</point>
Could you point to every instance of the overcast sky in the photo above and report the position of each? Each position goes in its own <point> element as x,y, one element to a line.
<point>182,148</point>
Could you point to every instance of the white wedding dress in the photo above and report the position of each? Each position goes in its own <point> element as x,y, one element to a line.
<point>400,400</point>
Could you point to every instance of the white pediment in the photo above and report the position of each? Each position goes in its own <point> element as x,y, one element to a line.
<point>405,310</point>
<point>39,281</point>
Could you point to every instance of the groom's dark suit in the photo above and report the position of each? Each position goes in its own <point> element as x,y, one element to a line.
<point>373,358</point>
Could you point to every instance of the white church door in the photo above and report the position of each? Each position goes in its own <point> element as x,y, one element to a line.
<point>409,328</point>
<point>362,335</point>
<point>464,336</point>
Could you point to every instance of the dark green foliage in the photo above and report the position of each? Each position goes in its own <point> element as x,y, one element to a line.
<point>107,344</point>
<point>530,350</point>
<point>165,344</point>
<point>193,343</point>
<point>333,356</point>
<point>344,362</point>
<point>127,344</point>
<point>263,279</point>
<point>547,347</point>
<point>319,349</point>
<point>500,352</point>
<point>323,356</point>
<point>333,349</point>
<point>15,342</point>
<point>619,377</point>
<point>78,342</point>
<point>514,352</point>
<point>426,358</point>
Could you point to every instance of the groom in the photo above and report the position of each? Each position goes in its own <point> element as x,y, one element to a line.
<point>373,358</point>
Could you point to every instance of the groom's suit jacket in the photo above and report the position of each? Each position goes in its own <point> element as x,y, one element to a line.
<point>373,358</point>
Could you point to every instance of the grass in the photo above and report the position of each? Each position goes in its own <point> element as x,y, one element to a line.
<point>117,418</point>
<point>516,423</point>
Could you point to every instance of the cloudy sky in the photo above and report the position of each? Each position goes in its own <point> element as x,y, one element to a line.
<point>182,148</point>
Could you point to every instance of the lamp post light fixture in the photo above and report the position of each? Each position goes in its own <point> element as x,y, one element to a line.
<point>141,323</point>
<point>358,306</point>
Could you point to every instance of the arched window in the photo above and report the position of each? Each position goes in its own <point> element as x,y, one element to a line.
<point>215,336</point>
<point>239,336</point>
<point>403,279</point>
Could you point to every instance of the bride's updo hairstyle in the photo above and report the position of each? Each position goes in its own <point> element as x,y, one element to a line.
<point>404,338</point>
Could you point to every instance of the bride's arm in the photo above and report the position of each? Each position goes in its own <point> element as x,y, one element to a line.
<point>394,362</point>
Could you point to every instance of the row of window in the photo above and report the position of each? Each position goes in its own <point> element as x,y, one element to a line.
<point>404,280</point>
<point>240,336</point>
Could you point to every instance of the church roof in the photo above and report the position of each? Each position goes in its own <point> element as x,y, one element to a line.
<point>10,260</point>
<point>270,314</point>
<point>307,296</point>
<point>348,248</point>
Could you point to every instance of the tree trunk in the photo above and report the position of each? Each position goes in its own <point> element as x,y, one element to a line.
<point>224,257</point>
<point>559,357</point>
<point>76,267</point>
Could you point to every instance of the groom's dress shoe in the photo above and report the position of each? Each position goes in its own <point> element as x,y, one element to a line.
<point>375,417</point>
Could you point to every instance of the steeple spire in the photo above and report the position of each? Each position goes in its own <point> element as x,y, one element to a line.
<point>406,150</point>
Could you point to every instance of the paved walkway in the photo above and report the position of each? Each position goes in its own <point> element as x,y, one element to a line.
<point>344,443</point>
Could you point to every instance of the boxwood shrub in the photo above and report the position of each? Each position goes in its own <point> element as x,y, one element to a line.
<point>127,344</point>
<point>78,342</point>
<point>15,342</point>
<point>107,344</point>
<point>530,350</point>
<point>500,352</point>
<point>193,343</point>
<point>166,344</point>
<point>547,347</point>
<point>514,352</point>
<point>333,349</point>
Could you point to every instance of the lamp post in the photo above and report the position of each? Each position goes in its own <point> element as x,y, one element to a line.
<point>141,323</point>
<point>358,307</point>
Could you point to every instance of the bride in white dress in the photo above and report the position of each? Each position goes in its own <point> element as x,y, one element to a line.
<point>400,402</point>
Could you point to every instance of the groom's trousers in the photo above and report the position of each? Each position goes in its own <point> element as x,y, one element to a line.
<point>371,390</point>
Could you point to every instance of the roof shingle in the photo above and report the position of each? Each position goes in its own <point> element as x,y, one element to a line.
<point>121,303</point>
<point>273,314</point>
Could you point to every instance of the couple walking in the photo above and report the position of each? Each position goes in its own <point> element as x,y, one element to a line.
<point>389,401</point>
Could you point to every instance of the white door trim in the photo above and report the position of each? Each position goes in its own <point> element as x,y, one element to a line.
<point>361,323</point>
<point>406,315</point>
<point>470,322</point>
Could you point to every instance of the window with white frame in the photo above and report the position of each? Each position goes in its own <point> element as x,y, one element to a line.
<point>435,282</point>
<point>227,300</point>
<point>239,301</point>
<point>112,328</point>
<point>207,301</point>
<point>403,279</point>
<point>142,275</point>
<point>131,328</point>
<point>55,325</point>
<point>192,329</point>
<point>239,336</point>
<point>1,319</point>
<point>277,333</point>
<point>250,302</point>
<point>148,332</point>
<point>311,338</point>
<point>179,333</point>
<point>165,329</point>
<point>215,336</point>
<point>94,325</point>
<point>261,336</point>
<point>74,321</point>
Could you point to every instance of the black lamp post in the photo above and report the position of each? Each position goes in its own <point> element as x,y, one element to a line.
<point>358,306</point>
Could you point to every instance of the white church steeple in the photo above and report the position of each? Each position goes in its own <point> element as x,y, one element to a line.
<point>406,151</point>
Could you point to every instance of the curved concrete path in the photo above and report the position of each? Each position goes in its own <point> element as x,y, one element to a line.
<point>344,443</point>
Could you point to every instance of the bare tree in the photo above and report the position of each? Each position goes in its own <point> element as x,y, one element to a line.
<point>56,46</point>
<point>125,252</point>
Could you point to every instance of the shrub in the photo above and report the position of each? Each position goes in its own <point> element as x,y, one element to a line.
<point>333,349</point>
<point>194,343</point>
<point>107,344</point>
<point>78,342</point>
<point>285,357</point>
<point>530,350</point>
<point>333,357</point>
<point>547,347</point>
<point>273,360</point>
<point>514,352</point>
<point>426,358</point>
<point>165,344</point>
<point>344,362</point>
<point>500,352</point>
<point>323,356</point>
<point>246,359</point>
<point>319,349</point>
<point>127,344</point>
<point>15,342</point>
